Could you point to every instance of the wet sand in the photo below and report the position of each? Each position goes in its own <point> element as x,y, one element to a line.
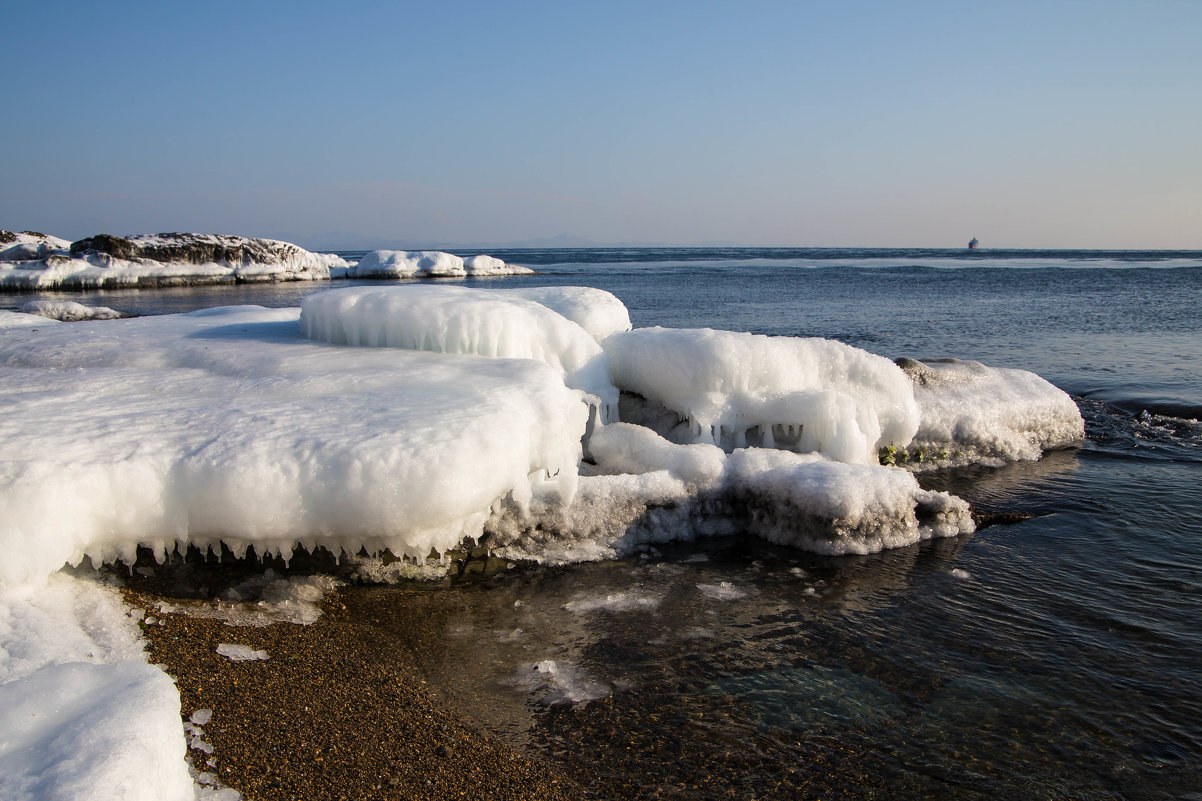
<point>339,710</point>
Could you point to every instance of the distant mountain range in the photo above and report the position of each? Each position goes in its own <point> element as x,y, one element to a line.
<point>343,242</point>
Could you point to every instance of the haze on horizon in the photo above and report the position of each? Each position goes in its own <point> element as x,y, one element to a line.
<point>1026,124</point>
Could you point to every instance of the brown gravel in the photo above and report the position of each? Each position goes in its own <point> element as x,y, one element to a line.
<point>340,710</point>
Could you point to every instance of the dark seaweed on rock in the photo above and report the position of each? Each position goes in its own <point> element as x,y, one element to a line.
<point>178,248</point>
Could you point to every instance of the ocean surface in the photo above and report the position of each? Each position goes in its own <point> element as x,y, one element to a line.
<point>1058,656</point>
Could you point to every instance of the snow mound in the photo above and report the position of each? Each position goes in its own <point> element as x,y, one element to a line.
<point>429,264</point>
<point>734,390</point>
<point>490,265</point>
<point>458,320</point>
<point>595,310</point>
<point>973,413</point>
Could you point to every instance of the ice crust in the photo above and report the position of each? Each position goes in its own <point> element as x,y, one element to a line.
<point>734,390</point>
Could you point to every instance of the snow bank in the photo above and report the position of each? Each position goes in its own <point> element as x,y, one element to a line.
<point>227,425</point>
<point>735,390</point>
<point>429,264</point>
<point>161,259</point>
<point>971,413</point>
<point>454,319</point>
<point>84,715</point>
<point>69,311</point>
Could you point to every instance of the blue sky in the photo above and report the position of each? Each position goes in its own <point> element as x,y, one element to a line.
<point>1026,124</point>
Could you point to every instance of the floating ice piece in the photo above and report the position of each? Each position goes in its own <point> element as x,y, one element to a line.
<point>241,653</point>
<point>974,413</point>
<point>623,601</point>
<point>69,311</point>
<point>453,319</point>
<point>228,426</point>
<point>734,390</point>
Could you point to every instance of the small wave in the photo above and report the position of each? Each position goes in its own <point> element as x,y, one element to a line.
<point>1167,431</point>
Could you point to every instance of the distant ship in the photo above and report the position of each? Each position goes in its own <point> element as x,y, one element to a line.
<point>973,244</point>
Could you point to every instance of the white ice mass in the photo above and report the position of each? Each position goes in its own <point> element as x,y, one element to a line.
<point>412,418</point>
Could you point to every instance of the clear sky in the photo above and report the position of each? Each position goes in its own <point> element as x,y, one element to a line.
<point>835,123</point>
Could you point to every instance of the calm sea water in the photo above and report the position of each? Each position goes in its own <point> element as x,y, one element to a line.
<point>1057,657</point>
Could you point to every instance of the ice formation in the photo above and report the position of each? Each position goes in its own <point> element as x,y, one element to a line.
<point>458,320</point>
<point>594,310</point>
<point>736,389</point>
<point>429,264</point>
<point>227,425</point>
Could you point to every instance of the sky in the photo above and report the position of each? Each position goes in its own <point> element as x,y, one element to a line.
<point>1053,124</point>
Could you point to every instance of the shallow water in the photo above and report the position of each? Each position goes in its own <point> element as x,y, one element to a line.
<point>1057,657</point>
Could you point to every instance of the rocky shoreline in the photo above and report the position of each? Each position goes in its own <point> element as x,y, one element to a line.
<point>31,261</point>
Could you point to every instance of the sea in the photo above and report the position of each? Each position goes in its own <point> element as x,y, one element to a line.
<point>1055,654</point>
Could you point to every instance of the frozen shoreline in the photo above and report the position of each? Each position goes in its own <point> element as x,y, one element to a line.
<point>31,261</point>
<point>414,419</point>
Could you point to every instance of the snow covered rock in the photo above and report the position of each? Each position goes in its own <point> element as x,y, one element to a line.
<point>971,413</point>
<point>29,245</point>
<point>165,259</point>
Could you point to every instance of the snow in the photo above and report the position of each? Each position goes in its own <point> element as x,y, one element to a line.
<point>84,715</point>
<point>9,319</point>
<point>734,389</point>
<point>459,320</point>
